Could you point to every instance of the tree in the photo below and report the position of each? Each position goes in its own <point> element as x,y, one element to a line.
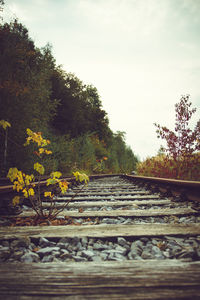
<point>24,87</point>
<point>182,158</point>
<point>80,109</point>
<point>184,141</point>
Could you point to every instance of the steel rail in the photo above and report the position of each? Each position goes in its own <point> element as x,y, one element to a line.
<point>192,186</point>
<point>175,182</point>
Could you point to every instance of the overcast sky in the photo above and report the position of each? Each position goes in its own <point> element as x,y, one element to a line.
<point>141,55</point>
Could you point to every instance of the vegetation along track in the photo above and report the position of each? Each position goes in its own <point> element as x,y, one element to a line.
<point>122,241</point>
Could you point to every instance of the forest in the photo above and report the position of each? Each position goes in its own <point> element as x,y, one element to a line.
<point>36,93</point>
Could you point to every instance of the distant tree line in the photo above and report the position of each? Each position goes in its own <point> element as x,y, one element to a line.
<point>35,93</point>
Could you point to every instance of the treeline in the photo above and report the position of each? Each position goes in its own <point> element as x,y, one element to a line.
<point>35,93</point>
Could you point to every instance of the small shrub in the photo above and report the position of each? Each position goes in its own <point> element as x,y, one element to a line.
<point>25,184</point>
<point>181,157</point>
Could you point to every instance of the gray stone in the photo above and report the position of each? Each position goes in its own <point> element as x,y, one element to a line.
<point>138,243</point>
<point>64,240</point>
<point>155,241</point>
<point>98,246</point>
<point>144,239</point>
<point>70,248</point>
<point>88,253</point>
<point>96,258</point>
<point>55,253</point>
<point>120,256</point>
<point>46,243</point>
<point>146,254</point>
<point>188,252</point>
<point>121,241</point>
<point>78,220</point>
<point>75,240</point>
<point>91,241</point>
<point>48,258</point>
<point>65,254</point>
<point>166,253</point>
<point>47,250</point>
<point>136,248</point>
<point>62,245</point>
<point>103,255</point>
<point>29,257</point>
<point>32,246</point>
<point>121,250</point>
<point>84,241</point>
<point>79,258</point>
<point>131,255</point>
<point>127,221</point>
<point>79,247</point>
<point>157,252</point>
<point>198,253</point>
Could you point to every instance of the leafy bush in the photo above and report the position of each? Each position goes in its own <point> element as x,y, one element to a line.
<point>25,184</point>
<point>166,167</point>
<point>182,158</point>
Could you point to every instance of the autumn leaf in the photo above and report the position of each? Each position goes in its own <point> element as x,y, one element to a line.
<point>15,200</point>
<point>12,174</point>
<point>41,150</point>
<point>39,168</point>
<point>63,186</point>
<point>55,175</point>
<point>4,124</point>
<point>48,194</point>
<point>48,152</point>
<point>81,177</point>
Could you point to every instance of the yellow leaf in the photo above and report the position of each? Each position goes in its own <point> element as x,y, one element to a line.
<point>12,174</point>
<point>51,181</point>
<point>56,174</point>
<point>48,152</point>
<point>4,124</point>
<point>41,150</point>
<point>48,194</point>
<point>25,193</point>
<point>81,177</point>
<point>39,168</point>
<point>15,200</point>
<point>31,192</point>
<point>63,186</point>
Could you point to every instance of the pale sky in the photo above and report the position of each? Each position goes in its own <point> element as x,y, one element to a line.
<point>141,55</point>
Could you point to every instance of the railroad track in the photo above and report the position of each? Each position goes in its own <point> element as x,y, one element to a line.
<point>120,241</point>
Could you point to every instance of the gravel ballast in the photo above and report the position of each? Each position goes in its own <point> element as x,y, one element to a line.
<point>95,249</point>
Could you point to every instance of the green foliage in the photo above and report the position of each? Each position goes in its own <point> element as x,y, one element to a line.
<point>25,183</point>
<point>79,110</point>
<point>24,88</point>
<point>37,94</point>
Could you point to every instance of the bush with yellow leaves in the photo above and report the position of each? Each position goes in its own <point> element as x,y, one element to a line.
<point>25,184</point>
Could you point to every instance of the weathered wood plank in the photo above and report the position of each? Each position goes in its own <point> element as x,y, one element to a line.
<point>111,203</point>
<point>150,279</point>
<point>88,193</point>
<point>101,230</point>
<point>124,213</point>
<point>89,198</point>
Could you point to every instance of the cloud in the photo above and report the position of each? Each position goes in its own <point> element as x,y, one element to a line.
<point>142,55</point>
